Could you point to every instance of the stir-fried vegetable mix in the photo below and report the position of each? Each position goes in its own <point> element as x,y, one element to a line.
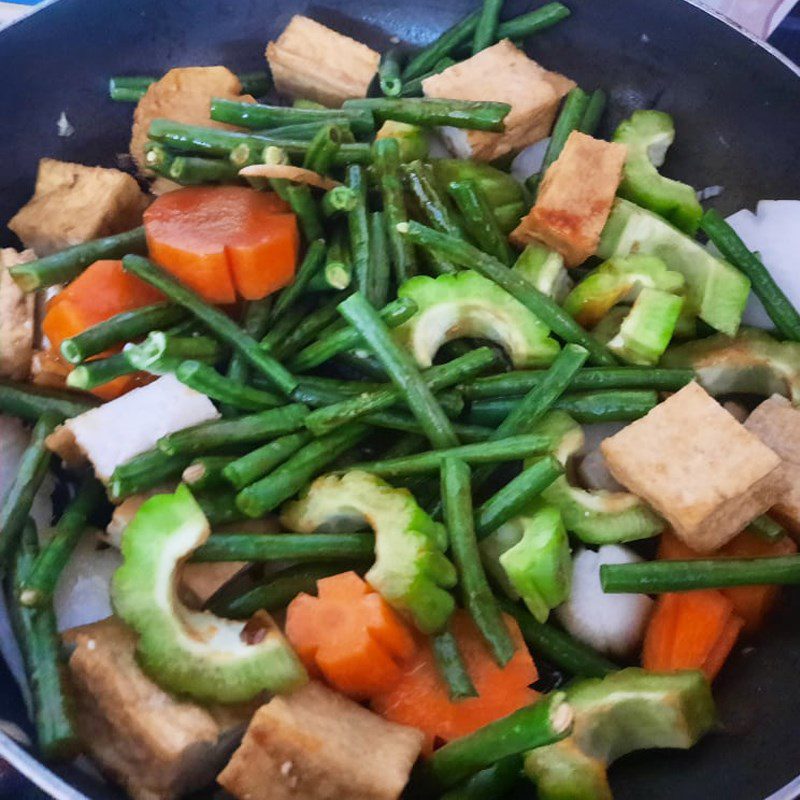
<point>418,407</point>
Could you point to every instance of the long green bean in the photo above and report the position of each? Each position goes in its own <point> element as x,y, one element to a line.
<point>443,46</point>
<point>312,263</point>
<point>389,73</point>
<point>386,156</point>
<point>337,272</point>
<point>309,328</point>
<point>465,255</point>
<point>486,26</point>
<point>495,782</point>
<point>480,220</point>
<point>255,320</point>
<point>393,314</point>
<point>38,640</point>
<point>358,226</point>
<point>451,665</point>
<point>478,598</point>
<point>295,473</point>
<point>280,590</point>
<point>257,116</point>
<point>594,112</point>
<point>413,86</point>
<point>512,448</point>
<point>421,183</point>
<point>68,264</point>
<point>547,721</point>
<point>435,379</point>
<point>380,271</point>
<point>131,88</point>
<point>213,435</point>
<point>558,646</point>
<point>255,465</point>
<point>144,472</point>
<point>220,324</point>
<point>431,112</point>
<point>513,498</point>
<point>586,407</point>
<point>37,589</point>
<point>585,380</point>
<point>160,346</point>
<point>205,379</point>
<point>100,371</point>
<point>777,304</point>
<point>295,546</point>
<point>397,421</point>
<point>28,477</point>
<point>569,119</point>
<point>30,402</point>
<point>654,577</point>
<point>124,327</point>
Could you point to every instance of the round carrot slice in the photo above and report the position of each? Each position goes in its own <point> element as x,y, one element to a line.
<point>220,239</point>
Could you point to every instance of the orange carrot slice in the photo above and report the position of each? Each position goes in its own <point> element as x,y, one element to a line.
<point>420,699</point>
<point>691,630</point>
<point>751,603</point>
<point>220,239</point>
<point>350,636</point>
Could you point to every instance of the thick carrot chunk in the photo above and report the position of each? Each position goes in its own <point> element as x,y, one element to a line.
<point>421,698</point>
<point>349,636</point>
<point>220,240</point>
<point>691,630</point>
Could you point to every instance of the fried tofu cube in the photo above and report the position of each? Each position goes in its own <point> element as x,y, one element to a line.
<point>777,423</point>
<point>157,746</point>
<point>316,744</point>
<point>184,94</point>
<point>115,432</point>
<point>314,62</point>
<point>698,467</point>
<point>73,203</point>
<point>501,73</point>
<point>575,198</point>
<point>17,318</point>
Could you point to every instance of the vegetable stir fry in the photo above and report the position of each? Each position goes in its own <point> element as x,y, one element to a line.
<point>410,351</point>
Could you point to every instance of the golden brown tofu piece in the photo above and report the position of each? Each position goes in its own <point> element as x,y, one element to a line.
<point>698,467</point>
<point>17,318</point>
<point>575,198</point>
<point>184,94</point>
<point>314,62</point>
<point>316,744</point>
<point>73,203</point>
<point>157,746</point>
<point>777,423</point>
<point>503,73</point>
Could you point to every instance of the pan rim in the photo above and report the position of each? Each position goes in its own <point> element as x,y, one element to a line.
<point>40,774</point>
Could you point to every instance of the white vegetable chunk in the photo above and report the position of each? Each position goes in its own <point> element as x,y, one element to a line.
<point>774,233</point>
<point>117,431</point>
<point>529,160</point>
<point>611,623</point>
<point>83,593</point>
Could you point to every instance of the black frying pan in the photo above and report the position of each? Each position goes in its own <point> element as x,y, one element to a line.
<point>737,110</point>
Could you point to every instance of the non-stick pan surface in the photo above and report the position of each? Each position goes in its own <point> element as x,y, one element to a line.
<point>737,111</point>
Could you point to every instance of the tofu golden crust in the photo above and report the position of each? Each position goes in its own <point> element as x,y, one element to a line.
<point>183,95</point>
<point>312,61</point>
<point>316,744</point>
<point>17,318</point>
<point>156,746</point>
<point>575,198</point>
<point>698,467</point>
<point>503,73</point>
<point>777,423</point>
<point>73,203</point>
